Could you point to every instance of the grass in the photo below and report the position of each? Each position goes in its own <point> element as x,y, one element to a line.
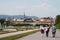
<point>4,32</point>
<point>18,36</point>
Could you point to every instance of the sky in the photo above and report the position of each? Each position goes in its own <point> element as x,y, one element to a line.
<point>39,8</point>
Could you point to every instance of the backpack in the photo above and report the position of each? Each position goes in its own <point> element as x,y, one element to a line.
<point>53,29</point>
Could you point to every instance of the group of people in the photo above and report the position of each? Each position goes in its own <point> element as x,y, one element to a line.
<point>46,30</point>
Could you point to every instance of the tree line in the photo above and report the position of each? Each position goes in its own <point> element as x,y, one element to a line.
<point>57,21</point>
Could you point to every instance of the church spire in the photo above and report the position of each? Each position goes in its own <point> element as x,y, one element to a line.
<point>24,15</point>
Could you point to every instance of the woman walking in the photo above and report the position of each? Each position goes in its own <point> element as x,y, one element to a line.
<point>42,30</point>
<point>47,28</point>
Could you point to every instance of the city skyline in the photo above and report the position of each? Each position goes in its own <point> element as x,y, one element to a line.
<point>39,8</point>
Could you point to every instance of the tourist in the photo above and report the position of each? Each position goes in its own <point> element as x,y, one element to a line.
<point>47,28</point>
<point>53,31</point>
<point>42,30</point>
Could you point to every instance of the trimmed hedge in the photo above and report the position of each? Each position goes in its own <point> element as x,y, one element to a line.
<point>21,24</point>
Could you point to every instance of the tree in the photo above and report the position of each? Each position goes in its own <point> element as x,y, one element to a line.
<point>2,20</point>
<point>57,21</point>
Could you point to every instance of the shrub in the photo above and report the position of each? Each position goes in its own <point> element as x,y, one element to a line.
<point>58,26</point>
<point>21,24</point>
<point>41,24</point>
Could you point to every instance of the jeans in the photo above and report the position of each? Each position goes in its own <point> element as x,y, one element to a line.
<point>47,34</point>
<point>53,34</point>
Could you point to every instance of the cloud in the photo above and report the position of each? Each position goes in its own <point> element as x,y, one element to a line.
<point>43,6</point>
<point>44,10</point>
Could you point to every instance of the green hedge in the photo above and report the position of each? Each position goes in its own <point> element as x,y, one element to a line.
<point>41,24</point>
<point>21,24</point>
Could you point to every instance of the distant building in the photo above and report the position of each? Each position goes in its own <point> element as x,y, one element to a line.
<point>46,21</point>
<point>26,20</point>
<point>16,21</point>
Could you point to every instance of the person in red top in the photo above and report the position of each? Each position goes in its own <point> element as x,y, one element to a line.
<point>42,30</point>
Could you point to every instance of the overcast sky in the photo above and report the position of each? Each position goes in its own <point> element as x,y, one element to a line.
<point>40,8</point>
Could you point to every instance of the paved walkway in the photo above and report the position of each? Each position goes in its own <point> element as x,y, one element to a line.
<point>37,36</point>
<point>15,33</point>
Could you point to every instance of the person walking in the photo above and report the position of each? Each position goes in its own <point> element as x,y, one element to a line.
<point>53,31</point>
<point>47,28</point>
<point>42,30</point>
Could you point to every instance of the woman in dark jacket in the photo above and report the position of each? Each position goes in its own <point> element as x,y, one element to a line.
<point>47,28</point>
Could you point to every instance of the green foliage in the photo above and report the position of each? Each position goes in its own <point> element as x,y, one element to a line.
<point>41,24</point>
<point>21,24</point>
<point>57,21</point>
<point>2,20</point>
<point>58,26</point>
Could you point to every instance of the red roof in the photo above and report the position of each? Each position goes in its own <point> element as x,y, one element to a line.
<point>46,20</point>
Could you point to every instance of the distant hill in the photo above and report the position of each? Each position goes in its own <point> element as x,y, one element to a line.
<point>16,16</point>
